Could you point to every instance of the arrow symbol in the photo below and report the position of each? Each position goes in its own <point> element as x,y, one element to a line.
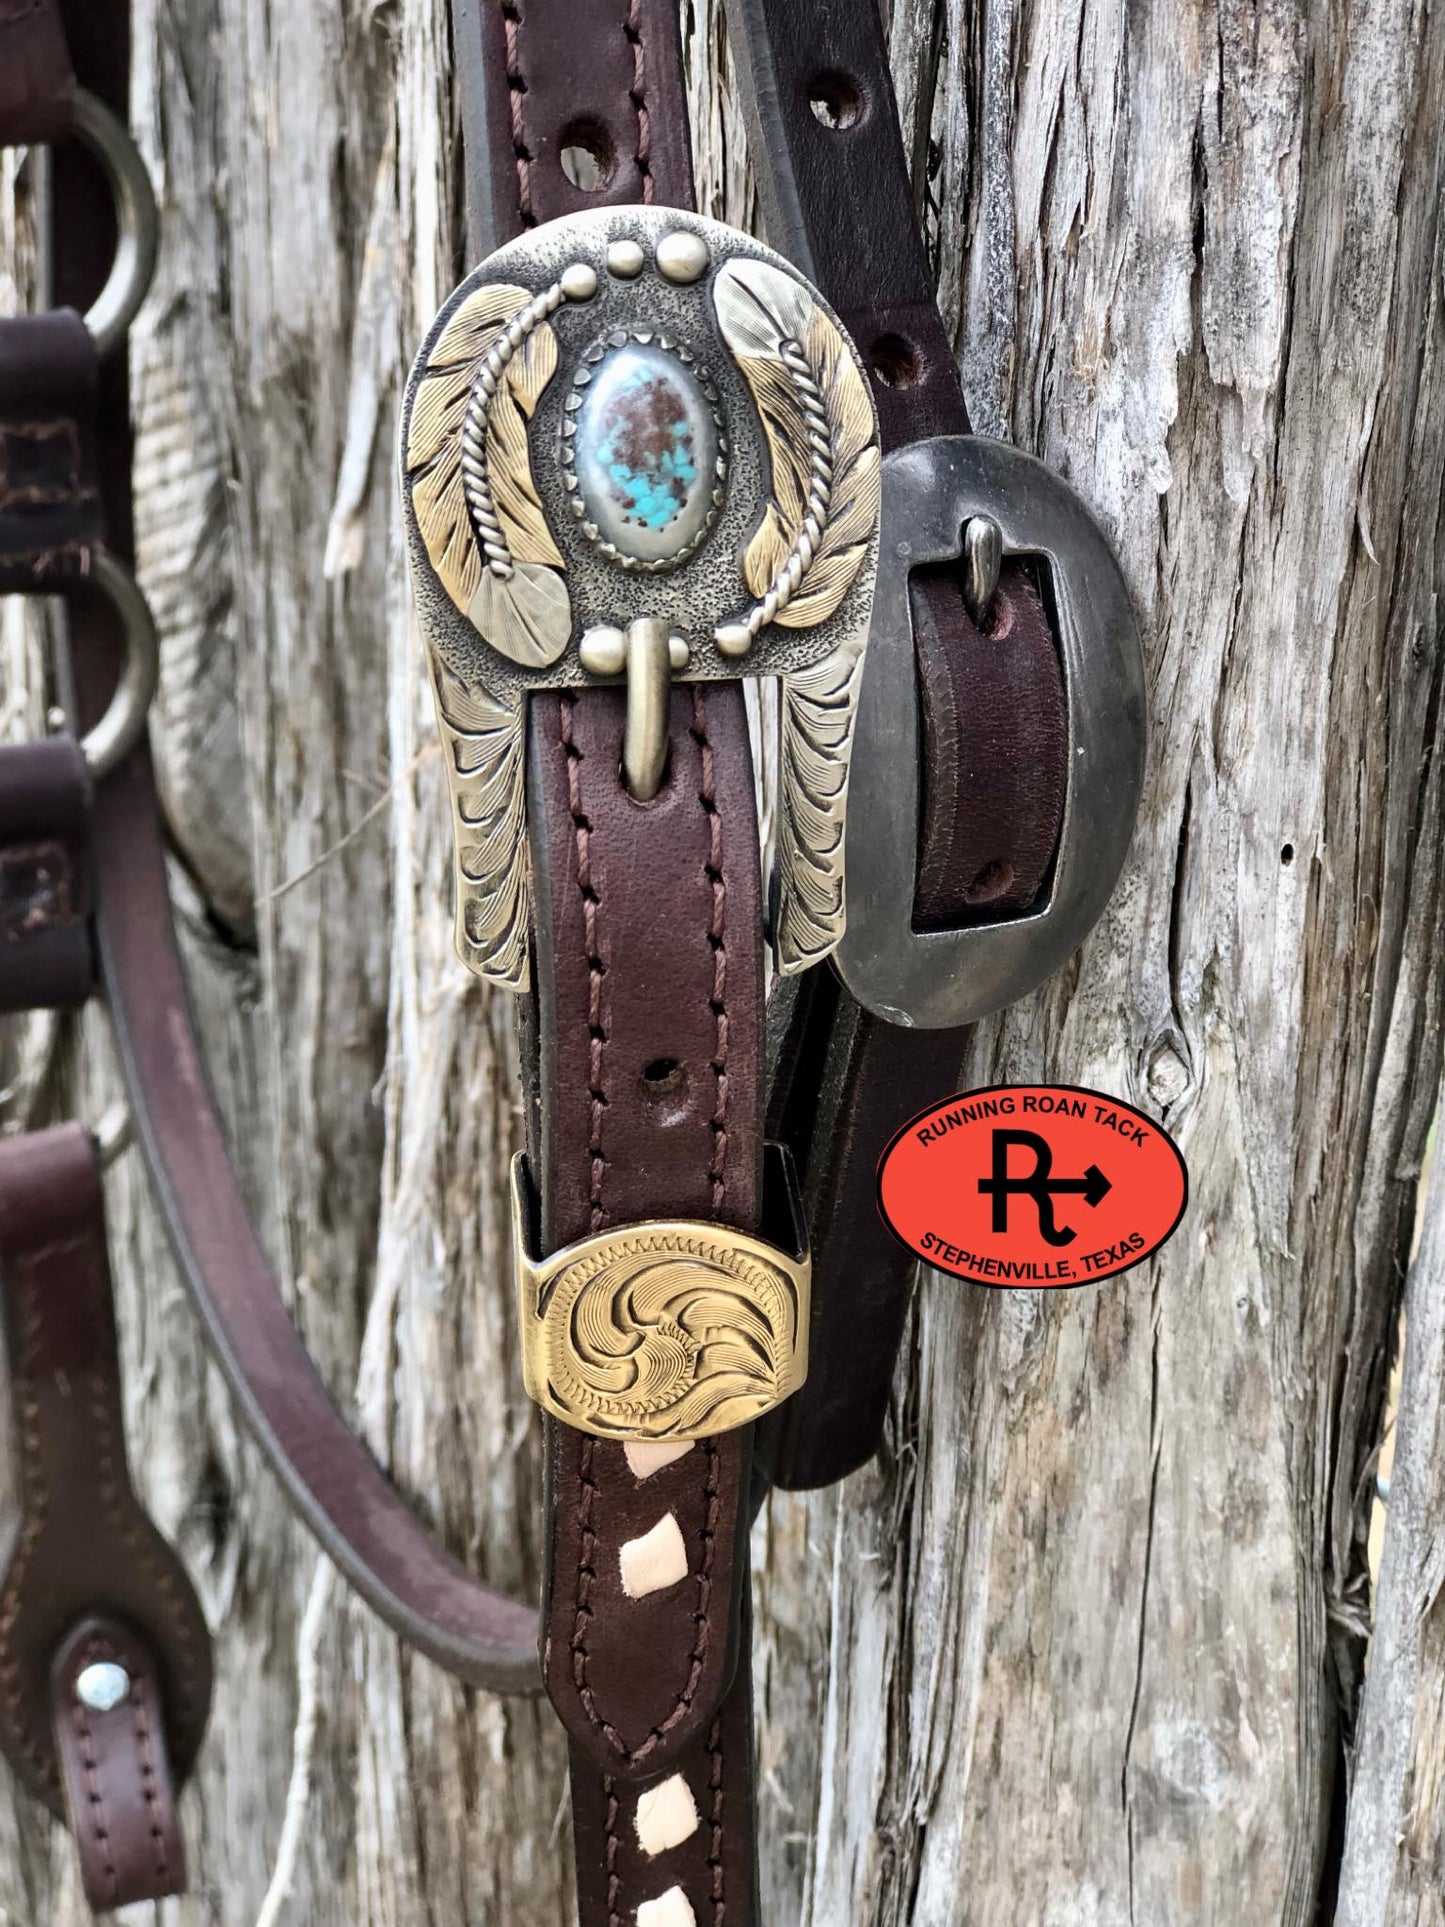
<point>1037,1184</point>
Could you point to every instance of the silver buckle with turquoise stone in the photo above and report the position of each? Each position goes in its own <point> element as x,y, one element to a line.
<point>637,444</point>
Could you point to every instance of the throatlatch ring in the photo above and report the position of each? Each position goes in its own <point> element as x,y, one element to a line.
<point>107,745</point>
<point>137,220</point>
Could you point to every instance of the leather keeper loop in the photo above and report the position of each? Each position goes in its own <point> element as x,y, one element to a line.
<point>75,1542</point>
<point>50,513</point>
<point>37,85</point>
<point>47,956</point>
<point>116,1776</point>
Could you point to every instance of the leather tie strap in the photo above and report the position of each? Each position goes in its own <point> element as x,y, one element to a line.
<point>85,1577</point>
<point>837,198</point>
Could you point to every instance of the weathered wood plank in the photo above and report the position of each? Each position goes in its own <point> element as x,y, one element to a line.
<point>1083,1648</point>
<point>1394,1859</point>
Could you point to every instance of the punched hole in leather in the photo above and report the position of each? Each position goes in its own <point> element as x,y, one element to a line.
<point>86,1579</point>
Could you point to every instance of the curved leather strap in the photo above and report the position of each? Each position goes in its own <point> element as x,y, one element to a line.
<point>837,197</point>
<point>360,1520</point>
<point>77,1541</point>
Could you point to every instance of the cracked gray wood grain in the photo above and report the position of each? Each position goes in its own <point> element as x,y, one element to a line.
<point>1084,1648</point>
<point>1394,1860</point>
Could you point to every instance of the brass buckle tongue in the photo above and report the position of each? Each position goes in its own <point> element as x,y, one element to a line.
<point>666,1330</point>
<point>637,444</point>
<point>945,498</point>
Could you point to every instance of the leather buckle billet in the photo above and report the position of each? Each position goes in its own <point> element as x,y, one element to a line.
<point>937,979</point>
<point>669,1330</point>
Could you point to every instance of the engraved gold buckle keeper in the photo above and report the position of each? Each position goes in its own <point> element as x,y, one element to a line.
<point>669,1329</point>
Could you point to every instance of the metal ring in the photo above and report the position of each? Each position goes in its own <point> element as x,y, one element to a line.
<point>120,728</point>
<point>137,222</point>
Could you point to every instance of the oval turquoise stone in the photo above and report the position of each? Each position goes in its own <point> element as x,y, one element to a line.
<point>646,452</point>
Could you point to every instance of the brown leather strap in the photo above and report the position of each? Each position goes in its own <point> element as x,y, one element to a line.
<point>363,1524</point>
<point>691,1830</point>
<point>49,504</point>
<point>995,750</point>
<point>647,1060</point>
<point>77,1542</point>
<point>37,86</point>
<point>650,991</point>
<point>552,84</point>
<point>837,197</point>
<point>114,1768</point>
<point>47,959</point>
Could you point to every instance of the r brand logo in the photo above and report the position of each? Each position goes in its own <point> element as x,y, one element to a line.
<point>1037,1184</point>
<point>1029,1185</point>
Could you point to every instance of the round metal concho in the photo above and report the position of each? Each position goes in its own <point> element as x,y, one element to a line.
<point>644,455</point>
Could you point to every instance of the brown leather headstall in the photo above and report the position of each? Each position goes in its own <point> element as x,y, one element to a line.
<point>642,456</point>
<point>105,1659</point>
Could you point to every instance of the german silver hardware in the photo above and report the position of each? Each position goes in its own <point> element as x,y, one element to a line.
<point>636,444</point>
<point>935,493</point>
<point>102,1686</point>
<point>665,1330</point>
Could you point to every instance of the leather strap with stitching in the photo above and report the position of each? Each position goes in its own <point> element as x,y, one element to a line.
<point>837,198</point>
<point>647,1060</point>
<point>540,77</point>
<point>77,1542</point>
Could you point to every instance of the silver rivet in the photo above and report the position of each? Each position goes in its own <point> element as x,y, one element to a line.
<point>677,652</point>
<point>102,1685</point>
<point>734,638</point>
<point>603,652</point>
<point>681,256</point>
<point>625,259</point>
<point>579,282</point>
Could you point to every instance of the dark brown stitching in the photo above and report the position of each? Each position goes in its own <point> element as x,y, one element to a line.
<point>36,1498</point>
<point>152,1797</point>
<point>715,1855</point>
<point>596,969</point>
<point>637,93</point>
<point>110,1451</point>
<point>95,1798</point>
<point>717,937</point>
<point>614,1882</point>
<point>517,93</point>
<point>586,1573</point>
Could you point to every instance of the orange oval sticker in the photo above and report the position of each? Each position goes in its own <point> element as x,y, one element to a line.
<point>1024,1185</point>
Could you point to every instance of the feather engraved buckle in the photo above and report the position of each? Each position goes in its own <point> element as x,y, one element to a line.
<point>637,445</point>
<point>665,1330</point>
